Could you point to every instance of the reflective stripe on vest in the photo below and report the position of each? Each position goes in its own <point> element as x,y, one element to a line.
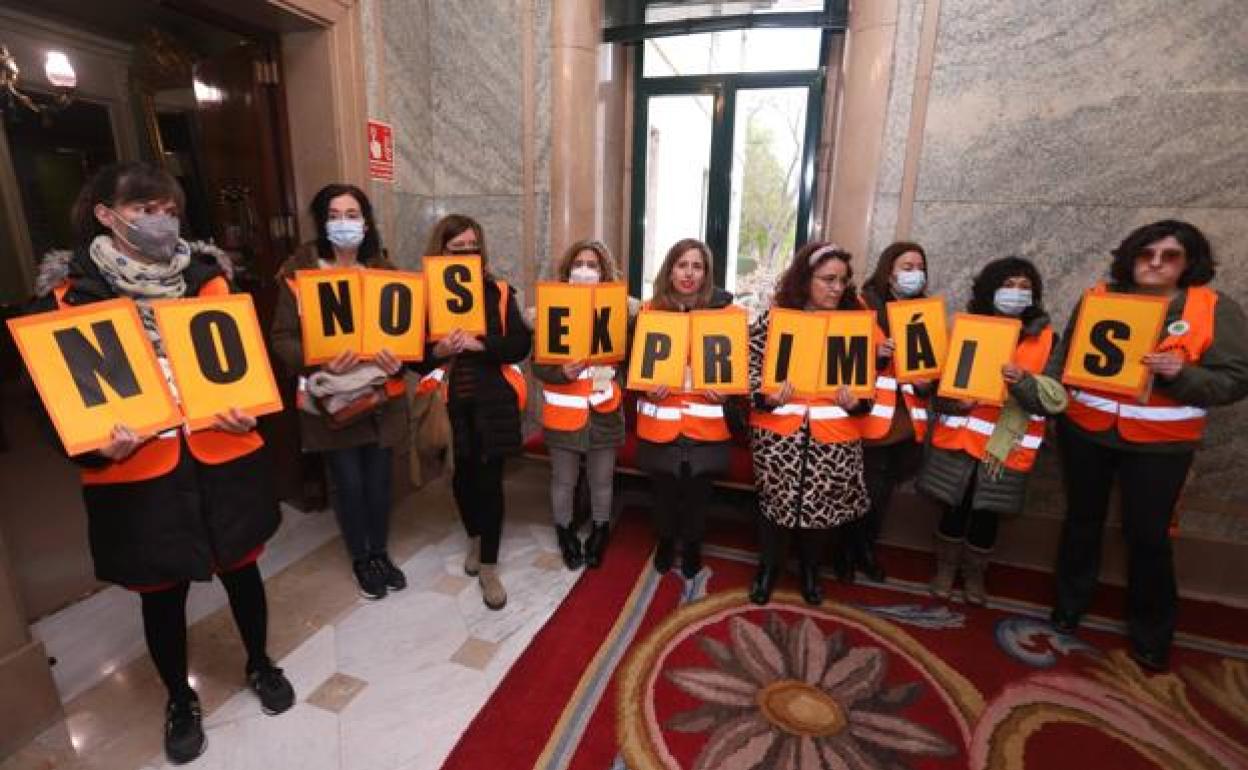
<point>1162,419</point>
<point>829,424</point>
<point>681,414</point>
<point>877,423</point>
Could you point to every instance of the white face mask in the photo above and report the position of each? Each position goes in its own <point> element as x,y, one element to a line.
<point>584,274</point>
<point>909,283</point>
<point>345,233</point>
<point>1011,302</point>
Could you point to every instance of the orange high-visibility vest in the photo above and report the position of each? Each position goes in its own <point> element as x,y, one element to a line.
<point>681,414</point>
<point>565,406</point>
<point>512,373</point>
<point>1161,419</point>
<point>829,423</point>
<point>970,432</point>
<point>160,455</point>
<point>876,423</point>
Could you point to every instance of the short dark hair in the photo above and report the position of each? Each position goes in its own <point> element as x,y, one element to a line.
<point>116,185</point>
<point>793,288</point>
<point>370,248</point>
<point>882,276</point>
<point>450,227</point>
<point>994,274</point>
<point>1201,267</point>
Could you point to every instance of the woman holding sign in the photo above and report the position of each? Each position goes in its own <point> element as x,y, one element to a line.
<point>353,412</point>
<point>683,436</point>
<point>893,431</point>
<point>807,450</point>
<point>981,455</point>
<point>1146,442</point>
<point>485,394</point>
<point>179,506</point>
<point>581,418</point>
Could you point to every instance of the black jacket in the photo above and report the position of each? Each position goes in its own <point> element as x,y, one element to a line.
<point>488,422</point>
<point>188,523</point>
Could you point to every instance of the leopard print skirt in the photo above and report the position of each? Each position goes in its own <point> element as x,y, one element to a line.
<point>828,492</point>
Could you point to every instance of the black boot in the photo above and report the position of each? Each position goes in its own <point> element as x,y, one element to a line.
<point>691,559</point>
<point>596,544</point>
<point>843,561</point>
<point>812,586</point>
<point>867,563</point>
<point>569,547</point>
<point>664,555</point>
<point>764,582</point>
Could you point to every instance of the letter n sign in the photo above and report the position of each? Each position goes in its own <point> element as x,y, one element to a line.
<point>94,368</point>
<point>1113,332</point>
<point>330,304</point>
<point>216,350</point>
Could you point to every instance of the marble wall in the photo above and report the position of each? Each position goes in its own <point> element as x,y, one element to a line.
<point>1053,129</point>
<point>465,86</point>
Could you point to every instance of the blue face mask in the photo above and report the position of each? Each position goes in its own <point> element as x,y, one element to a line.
<point>1011,302</point>
<point>345,233</point>
<point>909,283</point>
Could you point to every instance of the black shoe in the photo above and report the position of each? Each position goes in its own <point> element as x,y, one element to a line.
<point>691,560</point>
<point>812,587</point>
<point>596,544</point>
<point>372,581</point>
<point>184,731</point>
<point>664,555</point>
<point>272,688</point>
<point>391,575</point>
<point>1151,661</point>
<point>569,547</point>
<point>843,564</point>
<point>867,563</point>
<point>764,582</point>
<point>1063,623</point>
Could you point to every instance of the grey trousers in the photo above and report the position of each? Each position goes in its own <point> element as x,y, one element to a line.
<point>565,466</point>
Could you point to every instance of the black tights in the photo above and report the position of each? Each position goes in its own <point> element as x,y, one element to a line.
<point>680,503</point>
<point>164,626</point>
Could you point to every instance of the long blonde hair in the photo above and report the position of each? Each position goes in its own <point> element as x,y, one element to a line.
<point>606,265</point>
<point>665,296</point>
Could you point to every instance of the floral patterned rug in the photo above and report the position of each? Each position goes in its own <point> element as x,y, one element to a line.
<point>638,671</point>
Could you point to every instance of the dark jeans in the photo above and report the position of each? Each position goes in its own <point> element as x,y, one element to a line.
<point>1150,484</point>
<point>884,468</point>
<point>477,483</point>
<point>359,487</point>
<point>775,539</point>
<point>680,503</point>
<point>963,522</point>
<point>164,625</point>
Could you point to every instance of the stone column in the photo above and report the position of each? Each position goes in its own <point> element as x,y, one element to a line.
<point>29,702</point>
<point>575,29</point>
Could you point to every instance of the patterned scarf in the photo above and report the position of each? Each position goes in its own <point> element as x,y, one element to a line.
<point>142,281</point>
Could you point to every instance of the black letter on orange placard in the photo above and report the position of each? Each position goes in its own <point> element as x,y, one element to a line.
<point>90,364</point>
<point>847,361</point>
<point>919,353</point>
<point>783,353</point>
<point>1111,358</point>
<point>716,359</point>
<point>455,279</point>
<point>557,329</point>
<point>226,363</point>
<point>655,348</point>
<point>396,309</point>
<point>335,308</point>
<point>966,361</point>
<point>602,332</point>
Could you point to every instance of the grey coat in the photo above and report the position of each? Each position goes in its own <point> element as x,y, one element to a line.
<point>603,430</point>
<point>945,474</point>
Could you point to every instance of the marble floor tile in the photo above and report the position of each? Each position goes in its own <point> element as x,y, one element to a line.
<point>548,561</point>
<point>475,653</point>
<point>336,692</point>
<point>451,585</point>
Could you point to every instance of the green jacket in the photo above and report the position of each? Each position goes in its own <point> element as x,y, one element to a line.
<point>1221,377</point>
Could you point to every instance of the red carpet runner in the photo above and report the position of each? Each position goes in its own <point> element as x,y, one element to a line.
<point>641,672</point>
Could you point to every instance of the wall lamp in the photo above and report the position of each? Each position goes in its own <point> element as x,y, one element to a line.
<point>60,74</point>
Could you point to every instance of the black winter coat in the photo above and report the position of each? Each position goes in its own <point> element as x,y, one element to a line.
<point>487,423</point>
<point>192,521</point>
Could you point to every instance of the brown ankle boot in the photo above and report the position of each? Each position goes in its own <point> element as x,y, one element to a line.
<point>948,556</point>
<point>492,591</point>
<point>974,565</point>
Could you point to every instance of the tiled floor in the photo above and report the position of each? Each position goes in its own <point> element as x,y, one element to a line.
<point>386,685</point>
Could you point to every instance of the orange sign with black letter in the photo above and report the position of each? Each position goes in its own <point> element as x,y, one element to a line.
<point>921,334</point>
<point>660,350</point>
<point>563,328</point>
<point>330,307</point>
<point>719,350</point>
<point>394,314</point>
<point>1112,334</point>
<point>979,346</point>
<point>456,295</point>
<point>848,353</point>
